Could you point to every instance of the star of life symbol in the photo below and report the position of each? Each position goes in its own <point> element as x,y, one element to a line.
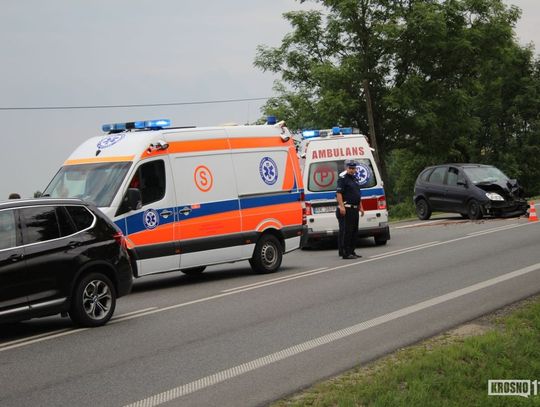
<point>268,170</point>
<point>150,219</point>
<point>109,140</point>
<point>363,174</point>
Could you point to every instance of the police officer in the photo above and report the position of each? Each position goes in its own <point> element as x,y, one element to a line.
<point>349,204</point>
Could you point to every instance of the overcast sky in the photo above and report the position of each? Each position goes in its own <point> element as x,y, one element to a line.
<point>102,52</point>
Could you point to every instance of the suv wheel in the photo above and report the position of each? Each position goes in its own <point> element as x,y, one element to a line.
<point>94,300</point>
<point>474,210</point>
<point>267,255</point>
<point>423,211</point>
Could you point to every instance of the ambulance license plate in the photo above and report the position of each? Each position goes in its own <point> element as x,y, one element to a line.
<point>324,209</point>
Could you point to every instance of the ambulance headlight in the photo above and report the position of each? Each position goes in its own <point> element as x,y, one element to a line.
<point>494,196</point>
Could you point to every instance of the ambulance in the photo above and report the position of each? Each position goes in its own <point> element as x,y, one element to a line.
<point>322,155</point>
<point>189,197</point>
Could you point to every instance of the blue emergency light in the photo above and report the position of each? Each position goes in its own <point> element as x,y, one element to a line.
<point>271,120</point>
<point>139,125</point>
<point>310,133</point>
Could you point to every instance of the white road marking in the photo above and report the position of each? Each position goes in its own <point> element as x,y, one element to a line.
<point>497,229</point>
<point>405,249</point>
<point>235,371</point>
<point>274,279</point>
<point>56,334</point>
<point>123,317</point>
<point>40,338</point>
<point>430,222</point>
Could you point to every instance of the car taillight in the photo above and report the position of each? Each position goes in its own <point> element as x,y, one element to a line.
<point>120,239</point>
<point>381,202</point>
<point>309,210</point>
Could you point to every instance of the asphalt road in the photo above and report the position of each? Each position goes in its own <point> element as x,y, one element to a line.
<point>232,338</point>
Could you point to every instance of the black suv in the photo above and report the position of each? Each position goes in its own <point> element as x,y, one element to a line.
<point>60,256</point>
<point>473,190</point>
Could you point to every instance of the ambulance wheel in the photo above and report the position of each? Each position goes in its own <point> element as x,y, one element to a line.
<point>192,271</point>
<point>380,241</point>
<point>267,255</point>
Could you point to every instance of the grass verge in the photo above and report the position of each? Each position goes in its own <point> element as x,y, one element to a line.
<point>451,369</point>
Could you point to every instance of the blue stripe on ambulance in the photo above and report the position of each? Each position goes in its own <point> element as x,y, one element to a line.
<point>367,192</point>
<point>135,222</point>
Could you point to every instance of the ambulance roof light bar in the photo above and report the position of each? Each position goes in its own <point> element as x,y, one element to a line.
<point>335,131</point>
<point>139,125</point>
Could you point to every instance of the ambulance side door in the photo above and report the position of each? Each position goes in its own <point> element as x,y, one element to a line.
<point>150,229</point>
<point>208,227</point>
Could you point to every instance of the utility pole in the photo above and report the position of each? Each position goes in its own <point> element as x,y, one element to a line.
<point>372,137</point>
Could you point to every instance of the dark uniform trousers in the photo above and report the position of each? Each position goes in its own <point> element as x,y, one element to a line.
<point>348,230</point>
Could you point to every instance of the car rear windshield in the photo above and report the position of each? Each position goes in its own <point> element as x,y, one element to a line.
<point>96,183</point>
<point>323,175</point>
<point>480,175</point>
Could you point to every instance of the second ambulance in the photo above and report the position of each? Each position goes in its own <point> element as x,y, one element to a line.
<point>322,156</point>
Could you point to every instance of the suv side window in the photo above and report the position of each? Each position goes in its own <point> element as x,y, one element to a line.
<point>81,216</point>
<point>8,229</point>
<point>41,224</point>
<point>437,176</point>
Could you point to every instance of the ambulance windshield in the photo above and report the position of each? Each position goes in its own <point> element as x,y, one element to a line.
<point>323,175</point>
<point>96,183</point>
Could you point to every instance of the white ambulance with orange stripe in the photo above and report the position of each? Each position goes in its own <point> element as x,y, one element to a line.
<point>186,198</point>
<point>322,155</point>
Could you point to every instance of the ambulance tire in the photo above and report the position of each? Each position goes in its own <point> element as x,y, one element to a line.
<point>193,271</point>
<point>267,256</point>
<point>380,241</point>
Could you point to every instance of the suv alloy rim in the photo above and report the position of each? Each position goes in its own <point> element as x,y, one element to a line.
<point>97,299</point>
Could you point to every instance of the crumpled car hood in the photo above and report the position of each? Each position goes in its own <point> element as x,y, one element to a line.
<point>509,189</point>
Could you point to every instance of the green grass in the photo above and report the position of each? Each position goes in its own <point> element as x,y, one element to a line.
<point>448,370</point>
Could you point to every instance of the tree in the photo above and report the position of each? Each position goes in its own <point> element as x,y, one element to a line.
<point>447,78</point>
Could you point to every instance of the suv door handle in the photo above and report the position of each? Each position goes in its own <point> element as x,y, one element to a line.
<point>73,244</point>
<point>15,257</point>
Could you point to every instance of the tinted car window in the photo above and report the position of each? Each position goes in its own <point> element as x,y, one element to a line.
<point>41,224</point>
<point>437,176</point>
<point>81,217</point>
<point>452,177</point>
<point>8,232</point>
<point>64,222</point>
<point>425,175</point>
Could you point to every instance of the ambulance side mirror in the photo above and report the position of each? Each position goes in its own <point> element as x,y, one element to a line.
<point>134,198</point>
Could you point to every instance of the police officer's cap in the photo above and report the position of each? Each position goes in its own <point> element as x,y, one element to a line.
<point>351,163</point>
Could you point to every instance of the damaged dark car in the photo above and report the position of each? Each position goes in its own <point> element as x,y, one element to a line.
<point>472,190</point>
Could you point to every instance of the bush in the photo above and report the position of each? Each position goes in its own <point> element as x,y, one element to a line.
<point>403,210</point>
